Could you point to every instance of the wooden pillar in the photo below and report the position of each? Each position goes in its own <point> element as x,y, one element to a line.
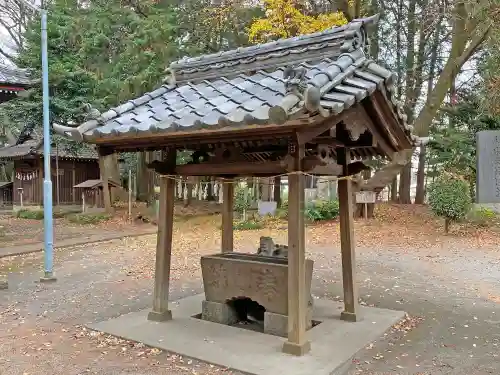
<point>227,216</point>
<point>345,193</point>
<point>103,155</point>
<point>160,311</point>
<point>297,343</point>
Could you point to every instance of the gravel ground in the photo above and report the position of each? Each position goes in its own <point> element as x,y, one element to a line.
<point>450,291</point>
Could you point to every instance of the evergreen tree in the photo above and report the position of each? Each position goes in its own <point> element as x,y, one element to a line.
<point>103,53</point>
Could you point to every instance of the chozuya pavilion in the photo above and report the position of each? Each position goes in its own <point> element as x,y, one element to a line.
<point>312,104</point>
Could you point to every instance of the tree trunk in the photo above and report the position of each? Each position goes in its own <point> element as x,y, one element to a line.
<point>420,192</point>
<point>374,42</point>
<point>144,185</point>
<point>394,190</point>
<point>410,96</point>
<point>405,184</point>
<point>210,190</point>
<point>447,223</point>
<point>265,189</point>
<point>277,191</point>
<point>188,192</point>
<point>466,39</point>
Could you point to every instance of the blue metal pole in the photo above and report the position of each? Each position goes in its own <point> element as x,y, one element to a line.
<point>47,183</point>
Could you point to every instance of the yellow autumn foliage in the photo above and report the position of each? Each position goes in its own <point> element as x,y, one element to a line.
<point>284,20</point>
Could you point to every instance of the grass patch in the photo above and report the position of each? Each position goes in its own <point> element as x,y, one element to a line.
<point>483,217</point>
<point>38,214</point>
<point>247,225</point>
<point>87,219</point>
<point>29,214</point>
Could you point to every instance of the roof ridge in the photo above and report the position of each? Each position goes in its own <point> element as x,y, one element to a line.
<point>341,39</point>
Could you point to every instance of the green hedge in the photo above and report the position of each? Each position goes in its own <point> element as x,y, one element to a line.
<point>449,198</point>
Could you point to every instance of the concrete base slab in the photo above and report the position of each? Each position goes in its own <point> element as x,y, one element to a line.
<point>333,342</point>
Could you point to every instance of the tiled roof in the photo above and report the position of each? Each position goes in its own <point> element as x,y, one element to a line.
<point>4,184</point>
<point>34,146</point>
<point>252,86</point>
<point>11,75</point>
<point>291,51</point>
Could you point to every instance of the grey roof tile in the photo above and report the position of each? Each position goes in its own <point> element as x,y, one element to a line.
<point>127,106</point>
<point>370,87</point>
<point>253,104</point>
<point>141,100</point>
<point>298,49</point>
<point>158,102</point>
<point>347,99</point>
<point>212,118</point>
<point>244,99</point>
<point>274,99</point>
<point>12,75</point>
<point>228,107</point>
<point>248,97</point>
<point>240,97</point>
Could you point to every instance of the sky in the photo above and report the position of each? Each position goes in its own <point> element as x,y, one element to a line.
<point>5,39</point>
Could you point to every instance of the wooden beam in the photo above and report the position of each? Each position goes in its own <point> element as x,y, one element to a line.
<point>327,140</point>
<point>345,194</point>
<point>237,169</point>
<point>378,137</point>
<point>297,343</point>
<point>227,216</point>
<point>386,113</point>
<point>160,311</point>
<point>226,134</point>
<point>309,132</point>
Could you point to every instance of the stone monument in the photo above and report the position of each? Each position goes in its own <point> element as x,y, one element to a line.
<point>488,169</point>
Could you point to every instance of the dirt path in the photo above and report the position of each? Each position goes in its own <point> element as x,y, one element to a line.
<point>452,287</point>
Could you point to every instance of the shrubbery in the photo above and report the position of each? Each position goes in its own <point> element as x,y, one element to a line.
<point>322,210</point>
<point>316,211</point>
<point>90,218</point>
<point>449,197</point>
<point>242,199</point>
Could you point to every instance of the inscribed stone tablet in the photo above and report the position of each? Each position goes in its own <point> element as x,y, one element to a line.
<point>488,166</point>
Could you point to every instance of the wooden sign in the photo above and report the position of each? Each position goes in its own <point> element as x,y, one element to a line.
<point>366,197</point>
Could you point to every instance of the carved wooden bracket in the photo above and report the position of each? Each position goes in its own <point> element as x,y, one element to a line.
<point>355,129</point>
<point>227,154</point>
